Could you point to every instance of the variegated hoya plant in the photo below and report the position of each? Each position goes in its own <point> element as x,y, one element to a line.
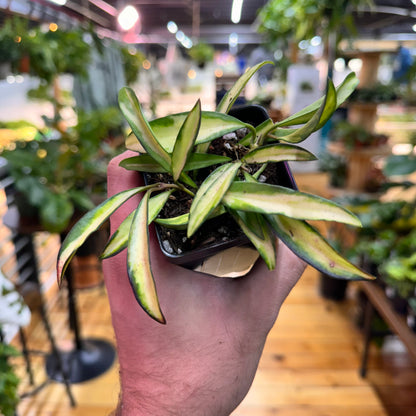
<point>177,145</point>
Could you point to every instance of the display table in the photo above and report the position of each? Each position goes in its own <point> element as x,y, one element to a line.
<point>378,301</point>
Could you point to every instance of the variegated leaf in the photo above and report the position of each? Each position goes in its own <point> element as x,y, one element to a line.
<point>210,193</point>
<point>323,114</point>
<point>186,140</point>
<point>145,163</point>
<point>118,241</point>
<point>252,225</point>
<point>344,90</point>
<point>89,223</point>
<point>131,109</point>
<point>273,199</point>
<point>213,125</point>
<point>233,93</point>
<point>138,263</point>
<point>309,245</point>
<point>277,153</point>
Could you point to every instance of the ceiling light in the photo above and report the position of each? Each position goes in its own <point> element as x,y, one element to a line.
<point>173,27</point>
<point>58,2</point>
<point>128,17</point>
<point>414,27</point>
<point>236,11</point>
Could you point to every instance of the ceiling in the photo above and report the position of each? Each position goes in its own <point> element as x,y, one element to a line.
<point>207,19</point>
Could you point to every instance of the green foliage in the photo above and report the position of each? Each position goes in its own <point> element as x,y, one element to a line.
<point>201,53</point>
<point>379,93</point>
<point>59,173</point>
<point>354,136</point>
<point>304,19</point>
<point>49,52</point>
<point>9,382</point>
<point>178,145</point>
<point>132,63</point>
<point>387,241</point>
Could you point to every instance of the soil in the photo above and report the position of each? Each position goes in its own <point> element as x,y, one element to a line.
<point>217,231</point>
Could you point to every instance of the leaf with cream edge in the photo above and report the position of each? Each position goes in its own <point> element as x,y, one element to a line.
<point>89,223</point>
<point>310,246</point>
<point>145,163</point>
<point>344,90</point>
<point>210,193</point>
<point>131,109</point>
<point>254,224</point>
<point>186,140</point>
<point>213,125</point>
<point>118,240</point>
<point>328,106</point>
<point>233,93</point>
<point>278,153</point>
<point>138,263</point>
<point>274,199</point>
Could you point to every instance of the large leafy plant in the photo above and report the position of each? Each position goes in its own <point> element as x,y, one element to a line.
<point>177,145</point>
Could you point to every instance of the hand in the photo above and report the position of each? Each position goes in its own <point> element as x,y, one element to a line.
<point>203,361</point>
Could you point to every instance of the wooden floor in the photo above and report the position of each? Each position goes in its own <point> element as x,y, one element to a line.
<point>309,366</point>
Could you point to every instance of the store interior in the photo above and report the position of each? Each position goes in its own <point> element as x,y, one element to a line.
<point>341,345</point>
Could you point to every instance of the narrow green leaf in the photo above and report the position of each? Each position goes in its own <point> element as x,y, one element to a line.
<point>203,160</point>
<point>277,153</point>
<point>233,93</point>
<point>252,225</point>
<point>261,131</point>
<point>185,140</point>
<point>138,263</point>
<point>177,223</point>
<point>273,199</point>
<point>131,109</point>
<point>210,193</point>
<point>181,221</point>
<point>323,114</point>
<point>89,223</point>
<point>309,245</point>
<point>118,241</point>
<point>344,90</point>
<point>213,125</point>
<point>142,163</point>
<point>145,163</point>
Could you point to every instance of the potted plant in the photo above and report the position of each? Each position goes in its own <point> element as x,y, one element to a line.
<point>180,149</point>
<point>61,174</point>
<point>201,53</point>
<point>358,146</point>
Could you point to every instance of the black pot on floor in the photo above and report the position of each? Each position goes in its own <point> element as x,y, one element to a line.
<point>331,288</point>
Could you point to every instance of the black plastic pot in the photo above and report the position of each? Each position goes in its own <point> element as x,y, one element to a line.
<point>254,115</point>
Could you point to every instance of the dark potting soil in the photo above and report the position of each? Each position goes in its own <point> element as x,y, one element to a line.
<point>217,230</point>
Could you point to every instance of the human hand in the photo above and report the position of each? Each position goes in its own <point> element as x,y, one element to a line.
<point>203,361</point>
